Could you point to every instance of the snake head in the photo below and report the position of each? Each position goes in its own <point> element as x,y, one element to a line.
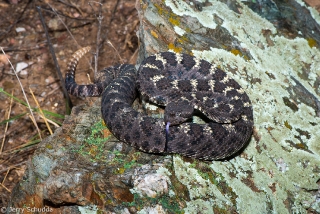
<point>178,112</point>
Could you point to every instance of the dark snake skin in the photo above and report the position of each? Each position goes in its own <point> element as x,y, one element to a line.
<point>186,86</point>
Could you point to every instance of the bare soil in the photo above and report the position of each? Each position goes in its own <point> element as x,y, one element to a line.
<point>71,25</point>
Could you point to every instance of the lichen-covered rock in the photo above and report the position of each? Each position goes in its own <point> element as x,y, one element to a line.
<point>148,182</point>
<point>279,69</point>
<point>275,57</point>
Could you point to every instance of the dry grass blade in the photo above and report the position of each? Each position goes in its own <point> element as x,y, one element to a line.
<point>109,42</point>
<point>7,124</point>
<point>24,94</point>
<point>5,187</point>
<point>20,147</point>
<point>49,121</point>
<point>43,116</point>
<point>34,123</point>
<point>4,179</point>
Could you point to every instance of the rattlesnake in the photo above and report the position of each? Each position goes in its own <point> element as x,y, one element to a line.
<point>185,85</point>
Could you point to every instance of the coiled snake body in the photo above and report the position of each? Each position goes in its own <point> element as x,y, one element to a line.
<point>185,85</point>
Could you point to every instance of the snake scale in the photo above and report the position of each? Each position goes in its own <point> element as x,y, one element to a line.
<point>186,86</point>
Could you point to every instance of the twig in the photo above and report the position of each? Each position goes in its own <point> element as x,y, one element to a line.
<point>96,57</point>
<point>20,49</point>
<point>104,37</point>
<point>69,17</point>
<point>65,93</point>
<point>13,166</point>
<point>24,94</point>
<point>99,18</point>
<point>114,11</point>
<point>55,12</point>
<point>7,124</point>
<point>52,91</point>
<point>71,4</point>
<point>71,35</point>
<point>41,113</point>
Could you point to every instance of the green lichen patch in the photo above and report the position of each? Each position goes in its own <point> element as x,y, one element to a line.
<point>93,147</point>
<point>168,203</point>
<point>125,164</point>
